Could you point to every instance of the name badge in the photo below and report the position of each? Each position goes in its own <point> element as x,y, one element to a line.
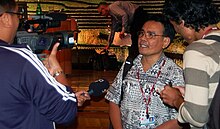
<point>147,121</point>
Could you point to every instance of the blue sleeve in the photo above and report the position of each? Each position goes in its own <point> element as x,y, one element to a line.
<point>52,99</point>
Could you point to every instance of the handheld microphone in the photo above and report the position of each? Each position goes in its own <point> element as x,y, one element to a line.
<point>98,87</point>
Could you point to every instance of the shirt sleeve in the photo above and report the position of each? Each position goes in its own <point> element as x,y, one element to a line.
<point>195,108</point>
<point>178,79</point>
<point>117,11</point>
<point>112,34</point>
<point>114,92</point>
<point>52,99</point>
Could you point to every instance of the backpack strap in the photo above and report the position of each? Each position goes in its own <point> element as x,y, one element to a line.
<point>216,38</point>
<point>213,37</point>
<point>127,67</point>
<point>214,109</point>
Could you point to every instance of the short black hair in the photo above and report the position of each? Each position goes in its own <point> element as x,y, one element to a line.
<point>102,3</point>
<point>7,5</point>
<point>196,14</point>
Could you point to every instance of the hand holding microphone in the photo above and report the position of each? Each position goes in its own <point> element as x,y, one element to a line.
<point>82,96</point>
<point>98,87</point>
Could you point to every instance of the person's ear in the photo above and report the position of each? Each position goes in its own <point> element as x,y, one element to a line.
<point>6,20</point>
<point>166,42</point>
<point>182,23</point>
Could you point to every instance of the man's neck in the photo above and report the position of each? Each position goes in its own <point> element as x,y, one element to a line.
<point>6,37</point>
<point>148,61</point>
<point>203,32</point>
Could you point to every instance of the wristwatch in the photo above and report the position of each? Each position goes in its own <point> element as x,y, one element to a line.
<point>57,73</point>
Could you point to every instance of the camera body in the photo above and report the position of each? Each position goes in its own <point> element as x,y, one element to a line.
<point>45,41</point>
<point>33,33</point>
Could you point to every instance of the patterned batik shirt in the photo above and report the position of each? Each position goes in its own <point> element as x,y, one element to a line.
<point>137,88</point>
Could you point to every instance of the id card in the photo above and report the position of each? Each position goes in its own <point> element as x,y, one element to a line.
<point>148,121</point>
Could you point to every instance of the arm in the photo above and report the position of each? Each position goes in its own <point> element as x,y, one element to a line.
<point>196,70</point>
<point>115,115</point>
<point>114,96</point>
<point>171,96</point>
<point>171,124</point>
<point>111,37</point>
<point>118,11</point>
<point>56,71</point>
<point>50,98</point>
<point>53,66</point>
<point>82,96</point>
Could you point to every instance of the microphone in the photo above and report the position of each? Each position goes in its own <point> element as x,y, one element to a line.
<point>98,87</point>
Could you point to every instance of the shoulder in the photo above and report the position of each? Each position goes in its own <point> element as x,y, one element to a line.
<point>170,64</point>
<point>116,3</point>
<point>205,43</point>
<point>202,48</point>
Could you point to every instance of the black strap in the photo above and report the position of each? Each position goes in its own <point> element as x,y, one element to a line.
<point>214,111</point>
<point>213,37</point>
<point>127,67</point>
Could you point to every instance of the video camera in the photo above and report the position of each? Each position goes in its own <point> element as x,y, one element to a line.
<point>45,41</point>
<point>33,33</point>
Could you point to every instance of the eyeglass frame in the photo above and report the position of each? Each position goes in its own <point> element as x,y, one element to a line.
<point>16,13</point>
<point>148,34</point>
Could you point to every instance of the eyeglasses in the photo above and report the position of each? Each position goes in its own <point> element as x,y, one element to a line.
<point>148,34</point>
<point>19,14</point>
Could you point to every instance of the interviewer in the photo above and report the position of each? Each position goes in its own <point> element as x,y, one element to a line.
<point>31,95</point>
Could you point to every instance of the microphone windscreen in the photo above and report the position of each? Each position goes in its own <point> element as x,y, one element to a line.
<point>98,87</point>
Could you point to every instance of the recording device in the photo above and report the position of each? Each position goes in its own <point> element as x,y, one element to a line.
<point>40,42</point>
<point>40,23</point>
<point>33,33</point>
<point>98,87</point>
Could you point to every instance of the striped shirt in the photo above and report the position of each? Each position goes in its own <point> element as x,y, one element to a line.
<point>30,97</point>
<point>201,64</point>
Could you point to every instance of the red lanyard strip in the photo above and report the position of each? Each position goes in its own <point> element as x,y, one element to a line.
<point>207,31</point>
<point>151,91</point>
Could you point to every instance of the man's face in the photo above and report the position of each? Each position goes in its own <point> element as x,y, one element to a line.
<point>103,10</point>
<point>151,40</point>
<point>9,23</point>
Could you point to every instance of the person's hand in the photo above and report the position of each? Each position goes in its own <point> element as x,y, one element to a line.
<point>122,34</point>
<point>181,89</point>
<point>51,62</point>
<point>82,96</point>
<point>106,47</point>
<point>171,96</point>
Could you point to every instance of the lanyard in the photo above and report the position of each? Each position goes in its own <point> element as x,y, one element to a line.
<point>207,31</point>
<point>151,91</point>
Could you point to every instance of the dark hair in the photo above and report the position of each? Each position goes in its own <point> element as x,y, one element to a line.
<point>196,14</point>
<point>102,3</point>
<point>7,5</point>
<point>168,27</point>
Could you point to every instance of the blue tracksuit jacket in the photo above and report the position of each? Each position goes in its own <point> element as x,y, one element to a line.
<point>30,98</point>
